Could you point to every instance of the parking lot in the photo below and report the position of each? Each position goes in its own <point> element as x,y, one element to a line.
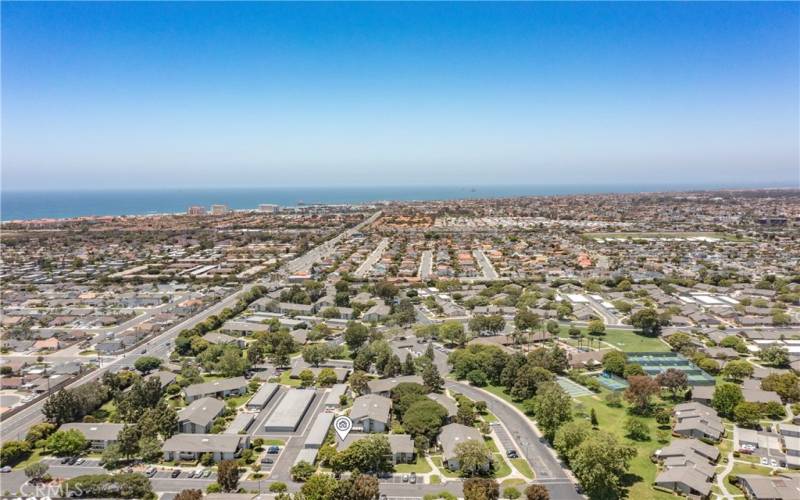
<point>505,439</point>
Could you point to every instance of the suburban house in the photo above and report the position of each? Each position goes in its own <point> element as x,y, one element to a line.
<point>99,435</point>
<point>193,446</point>
<point>385,386</point>
<point>684,447</point>
<point>696,420</point>
<point>790,435</point>
<point>686,480</point>
<point>401,444</point>
<point>199,416</point>
<point>223,339</point>
<point>370,413</point>
<point>217,388</point>
<point>165,377</point>
<point>777,487</point>
<point>451,436</point>
<point>376,313</point>
<point>447,403</point>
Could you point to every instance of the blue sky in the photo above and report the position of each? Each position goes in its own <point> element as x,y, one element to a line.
<point>102,95</point>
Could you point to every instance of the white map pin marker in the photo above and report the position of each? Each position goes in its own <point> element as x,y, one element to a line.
<point>342,426</point>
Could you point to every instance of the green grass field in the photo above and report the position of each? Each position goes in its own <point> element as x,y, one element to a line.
<point>501,467</point>
<point>624,340</point>
<point>523,467</point>
<point>421,466</point>
<point>642,469</point>
<point>287,380</point>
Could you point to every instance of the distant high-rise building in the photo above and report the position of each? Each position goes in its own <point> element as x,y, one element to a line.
<point>219,209</point>
<point>268,208</point>
<point>196,210</point>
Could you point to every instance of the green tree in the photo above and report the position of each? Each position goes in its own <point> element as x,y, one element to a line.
<point>370,454</point>
<point>128,440</point>
<point>12,452</point>
<point>648,321</point>
<point>327,377</point>
<point>358,382</point>
<point>315,354</point>
<point>526,320</point>
<point>36,471</point>
<point>228,475</point>
<point>473,457</point>
<point>552,406</point>
<point>112,456</point>
<point>149,449</point>
<point>641,389</point>
<point>432,379</point>
<point>479,488</point>
<point>511,493</point>
<point>536,492</point>
<point>40,431</point>
<point>306,378</point>
<point>637,429</point>
<point>614,362</point>
<point>596,327</point>
<point>747,414</point>
<point>302,470</point>
<point>319,487</point>
<point>599,463</point>
<point>569,436</point>
<point>64,443</point>
<point>775,355</point>
<point>424,418</point>
<point>453,332</point>
<point>146,364</point>
<point>409,368</point>
<point>355,335</point>
<point>726,397</point>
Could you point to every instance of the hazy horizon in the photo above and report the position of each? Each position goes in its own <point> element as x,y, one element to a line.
<point>210,95</point>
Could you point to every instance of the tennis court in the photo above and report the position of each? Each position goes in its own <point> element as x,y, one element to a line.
<point>575,390</point>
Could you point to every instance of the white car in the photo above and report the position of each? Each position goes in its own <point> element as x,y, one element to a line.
<point>773,463</point>
<point>764,461</point>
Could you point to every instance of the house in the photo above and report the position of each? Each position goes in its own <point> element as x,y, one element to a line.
<point>193,446</point>
<point>334,396</point>
<point>685,480</point>
<point>222,339</point>
<point>402,446</point>
<point>378,312</point>
<point>218,388</point>
<point>777,487</point>
<point>385,386</point>
<point>447,403</point>
<point>451,436</point>
<point>697,420</point>
<point>51,344</point>
<point>99,435</point>
<point>684,447</point>
<point>199,416</point>
<point>790,435</point>
<point>166,378</point>
<point>370,413</point>
<point>703,393</point>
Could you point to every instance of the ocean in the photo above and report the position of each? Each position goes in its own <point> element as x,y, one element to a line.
<point>27,205</point>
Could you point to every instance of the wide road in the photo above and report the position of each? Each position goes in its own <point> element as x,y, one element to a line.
<point>304,263</point>
<point>426,265</point>
<point>548,469</point>
<point>371,259</point>
<point>486,265</point>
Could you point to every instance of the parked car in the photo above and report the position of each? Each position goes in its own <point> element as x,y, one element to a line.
<point>512,454</point>
<point>80,461</point>
<point>150,472</point>
<point>191,474</point>
<point>64,460</point>
<point>405,478</point>
<point>773,463</point>
<point>764,461</point>
<point>272,450</point>
<point>413,478</point>
<point>267,460</point>
<point>175,473</point>
<point>6,468</point>
<point>72,461</point>
<point>206,472</point>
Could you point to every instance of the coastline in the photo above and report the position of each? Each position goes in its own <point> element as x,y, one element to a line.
<point>36,205</point>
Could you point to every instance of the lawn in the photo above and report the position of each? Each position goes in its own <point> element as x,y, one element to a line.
<point>274,442</point>
<point>488,417</point>
<point>34,457</point>
<point>421,466</point>
<point>515,482</point>
<point>435,479</point>
<point>641,468</point>
<point>88,352</point>
<point>523,467</point>
<point>739,469</point>
<point>238,400</point>
<point>437,461</point>
<point>285,379</point>
<point>625,340</point>
<point>489,442</point>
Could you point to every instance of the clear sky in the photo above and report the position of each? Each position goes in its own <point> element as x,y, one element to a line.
<point>102,95</point>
